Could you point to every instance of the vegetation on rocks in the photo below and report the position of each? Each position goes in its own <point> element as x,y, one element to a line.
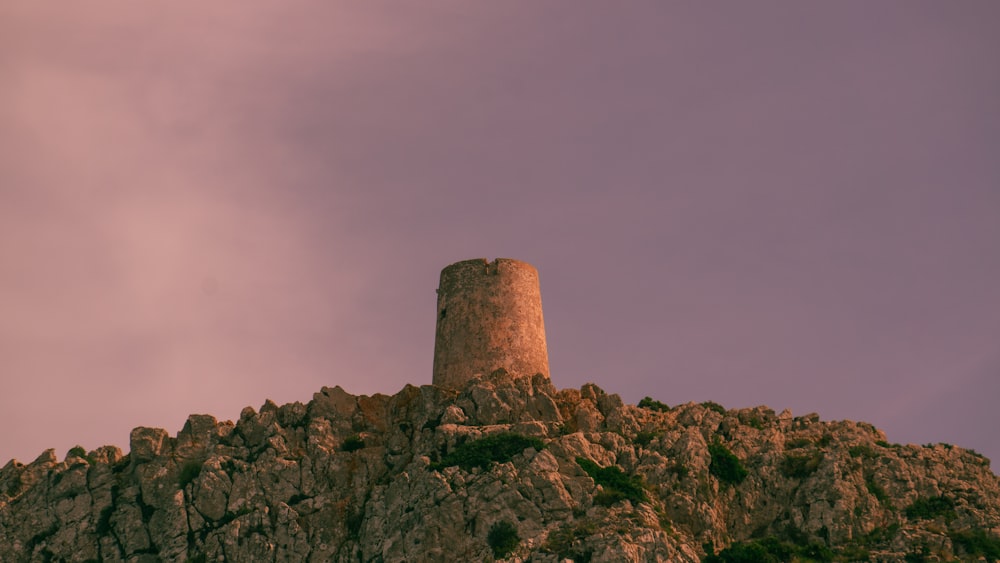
<point>801,466</point>
<point>725,466</point>
<point>930,508</point>
<point>771,550</point>
<point>505,467</point>
<point>499,448</point>
<point>616,484</point>
<point>503,539</point>
<point>352,443</point>
<point>653,405</point>
<point>977,543</point>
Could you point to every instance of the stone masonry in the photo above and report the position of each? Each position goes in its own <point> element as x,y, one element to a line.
<point>489,317</point>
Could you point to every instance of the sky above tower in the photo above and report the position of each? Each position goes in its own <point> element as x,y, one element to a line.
<point>204,206</point>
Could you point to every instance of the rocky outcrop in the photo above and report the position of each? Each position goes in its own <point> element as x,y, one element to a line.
<point>395,478</point>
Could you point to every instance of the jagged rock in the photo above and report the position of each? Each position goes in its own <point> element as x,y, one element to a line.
<point>147,443</point>
<point>346,478</point>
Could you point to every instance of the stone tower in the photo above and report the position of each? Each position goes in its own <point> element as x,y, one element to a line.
<point>489,316</point>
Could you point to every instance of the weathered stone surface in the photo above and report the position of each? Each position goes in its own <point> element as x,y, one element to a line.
<point>489,317</point>
<point>147,443</point>
<point>347,478</point>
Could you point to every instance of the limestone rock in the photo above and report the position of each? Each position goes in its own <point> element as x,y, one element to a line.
<point>380,478</point>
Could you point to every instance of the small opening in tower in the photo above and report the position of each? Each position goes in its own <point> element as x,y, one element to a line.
<point>444,312</point>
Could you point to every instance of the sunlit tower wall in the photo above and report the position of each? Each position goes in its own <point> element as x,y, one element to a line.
<point>489,316</point>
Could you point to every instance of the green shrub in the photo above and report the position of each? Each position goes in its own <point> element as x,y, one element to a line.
<point>800,467</point>
<point>503,539</point>
<point>861,451</point>
<point>352,443</point>
<point>930,508</point>
<point>608,497</point>
<point>877,491</point>
<point>617,485</point>
<point>78,451</point>
<point>643,438</point>
<point>679,470</point>
<point>880,535</point>
<point>713,406</point>
<point>653,405</point>
<point>725,466</point>
<point>852,552</point>
<point>977,543</point>
<point>770,550</point>
<point>751,552</point>
<point>922,556</point>
<point>188,472</point>
<point>567,542</point>
<point>796,443</point>
<point>499,448</point>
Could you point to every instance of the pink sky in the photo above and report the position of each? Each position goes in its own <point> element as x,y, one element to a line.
<point>205,207</point>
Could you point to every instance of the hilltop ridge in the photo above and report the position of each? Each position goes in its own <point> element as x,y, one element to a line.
<point>506,468</point>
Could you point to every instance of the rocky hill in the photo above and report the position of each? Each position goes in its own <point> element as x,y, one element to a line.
<point>508,469</point>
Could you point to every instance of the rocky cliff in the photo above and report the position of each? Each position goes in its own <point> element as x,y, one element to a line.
<point>507,469</point>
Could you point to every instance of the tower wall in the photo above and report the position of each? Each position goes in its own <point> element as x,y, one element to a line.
<point>489,316</point>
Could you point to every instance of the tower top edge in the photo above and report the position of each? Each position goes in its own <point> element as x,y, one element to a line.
<point>485,265</point>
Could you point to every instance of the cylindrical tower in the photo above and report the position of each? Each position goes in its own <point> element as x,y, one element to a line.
<point>489,316</point>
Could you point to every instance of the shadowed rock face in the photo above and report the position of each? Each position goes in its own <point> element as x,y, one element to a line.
<point>359,478</point>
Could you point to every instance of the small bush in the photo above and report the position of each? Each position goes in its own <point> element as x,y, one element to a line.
<point>653,405</point>
<point>930,508</point>
<point>616,484</point>
<point>880,535</point>
<point>861,451</point>
<point>796,443</point>
<point>643,438</point>
<point>352,443</point>
<point>751,552</point>
<point>725,466</point>
<point>713,406</point>
<point>877,491</point>
<point>770,550</point>
<point>567,542</point>
<point>608,497</point>
<point>499,448</point>
<point>188,472</point>
<point>78,451</point>
<point>977,543</point>
<point>679,470</point>
<point>503,539</point>
<point>853,553</point>
<point>800,467</point>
